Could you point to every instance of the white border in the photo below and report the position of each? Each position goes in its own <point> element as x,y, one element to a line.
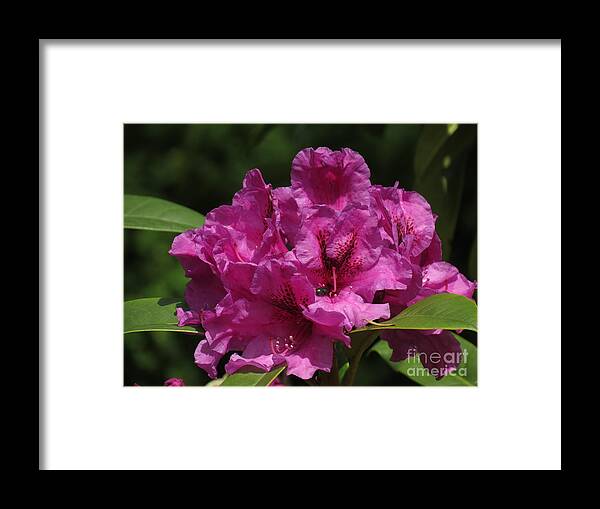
<point>511,421</point>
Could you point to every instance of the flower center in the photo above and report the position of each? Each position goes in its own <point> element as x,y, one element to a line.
<point>322,291</point>
<point>285,344</point>
<point>330,288</point>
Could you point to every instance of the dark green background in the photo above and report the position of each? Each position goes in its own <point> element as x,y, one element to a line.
<point>202,166</point>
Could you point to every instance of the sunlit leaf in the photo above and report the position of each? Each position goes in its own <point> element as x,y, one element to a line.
<point>441,158</point>
<point>442,311</point>
<point>148,213</point>
<point>153,314</point>
<point>252,379</point>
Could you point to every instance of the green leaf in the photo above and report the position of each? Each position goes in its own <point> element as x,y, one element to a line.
<point>153,314</point>
<point>343,370</point>
<point>440,144</point>
<point>465,375</point>
<point>252,379</point>
<point>441,158</point>
<point>442,311</point>
<point>148,213</point>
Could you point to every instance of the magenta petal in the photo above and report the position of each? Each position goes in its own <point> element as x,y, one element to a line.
<point>174,382</point>
<point>206,358</point>
<point>400,299</point>
<point>278,280</point>
<point>226,323</point>
<point>355,241</point>
<point>336,249</point>
<point>316,231</point>
<point>288,213</point>
<point>206,293</point>
<point>406,218</point>
<point>462,286</point>
<point>187,317</point>
<point>432,254</point>
<point>257,355</point>
<point>439,353</point>
<point>237,277</point>
<point>254,180</point>
<point>241,230</point>
<point>190,249</point>
<point>328,321</point>
<point>332,178</point>
<point>391,272</point>
<point>356,311</point>
<point>255,196</point>
<point>443,277</point>
<point>262,363</point>
<point>316,353</point>
<point>272,244</point>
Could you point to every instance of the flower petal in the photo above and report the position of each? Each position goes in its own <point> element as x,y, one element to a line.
<point>355,310</point>
<point>315,353</point>
<point>206,358</point>
<point>439,353</point>
<point>288,213</point>
<point>333,178</point>
<point>257,354</point>
<point>391,272</point>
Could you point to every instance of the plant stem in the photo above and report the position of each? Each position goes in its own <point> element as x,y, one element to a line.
<point>359,347</point>
<point>351,373</point>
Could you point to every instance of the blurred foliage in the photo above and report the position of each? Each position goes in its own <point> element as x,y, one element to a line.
<point>201,166</point>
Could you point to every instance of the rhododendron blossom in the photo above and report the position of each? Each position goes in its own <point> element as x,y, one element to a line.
<point>282,274</point>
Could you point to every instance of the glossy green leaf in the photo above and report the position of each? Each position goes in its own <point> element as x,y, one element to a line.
<point>465,375</point>
<point>442,311</point>
<point>153,314</point>
<point>148,213</point>
<point>252,379</point>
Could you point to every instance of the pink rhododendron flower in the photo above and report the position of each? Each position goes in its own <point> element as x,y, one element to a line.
<point>332,178</point>
<point>345,250</point>
<point>286,323</point>
<point>442,277</point>
<point>281,274</point>
<point>405,217</point>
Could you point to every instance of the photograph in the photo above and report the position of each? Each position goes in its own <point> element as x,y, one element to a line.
<point>349,239</point>
<point>300,255</point>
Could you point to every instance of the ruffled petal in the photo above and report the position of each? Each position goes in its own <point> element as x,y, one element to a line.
<point>315,353</point>
<point>332,178</point>
<point>355,310</point>
<point>207,358</point>
<point>288,214</point>
<point>443,277</point>
<point>391,272</point>
<point>257,354</point>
